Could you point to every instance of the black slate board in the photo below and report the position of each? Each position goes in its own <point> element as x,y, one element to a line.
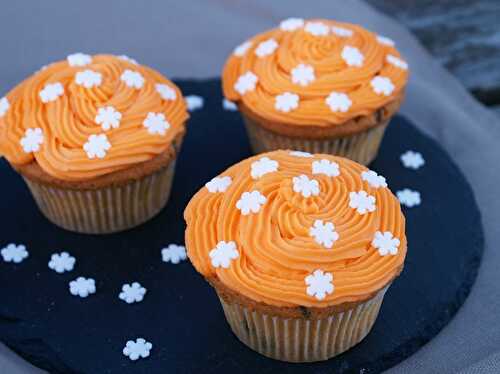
<point>180,314</point>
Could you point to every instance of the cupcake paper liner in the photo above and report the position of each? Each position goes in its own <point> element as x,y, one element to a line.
<point>302,339</point>
<point>108,209</point>
<point>362,147</point>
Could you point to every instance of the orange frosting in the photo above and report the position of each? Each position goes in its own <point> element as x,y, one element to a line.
<point>68,118</point>
<point>276,247</point>
<point>313,59</point>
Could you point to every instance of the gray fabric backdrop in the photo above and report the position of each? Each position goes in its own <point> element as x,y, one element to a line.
<point>192,39</point>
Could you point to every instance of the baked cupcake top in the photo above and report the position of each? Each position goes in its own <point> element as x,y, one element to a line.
<point>290,228</point>
<point>315,72</point>
<point>88,116</point>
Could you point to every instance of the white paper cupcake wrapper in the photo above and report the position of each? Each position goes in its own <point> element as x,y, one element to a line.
<point>362,147</point>
<point>302,339</point>
<point>108,209</point>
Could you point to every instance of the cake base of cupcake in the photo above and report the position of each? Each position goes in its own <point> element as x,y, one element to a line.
<point>302,339</point>
<point>108,209</point>
<point>361,147</point>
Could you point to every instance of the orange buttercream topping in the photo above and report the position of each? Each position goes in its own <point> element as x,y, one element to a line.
<point>90,115</point>
<point>288,228</point>
<point>316,72</point>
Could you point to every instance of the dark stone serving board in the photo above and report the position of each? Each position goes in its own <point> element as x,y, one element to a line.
<point>180,314</point>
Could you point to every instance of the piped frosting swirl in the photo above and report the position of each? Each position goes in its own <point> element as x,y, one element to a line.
<point>316,72</point>
<point>88,116</point>
<point>287,229</point>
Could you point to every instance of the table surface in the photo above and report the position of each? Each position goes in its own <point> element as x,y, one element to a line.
<point>194,41</point>
<point>463,37</point>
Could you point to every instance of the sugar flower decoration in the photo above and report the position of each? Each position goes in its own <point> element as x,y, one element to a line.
<point>303,74</point>
<point>362,202</point>
<point>223,253</point>
<point>51,92</point>
<point>82,287</point>
<point>242,48</point>
<point>166,92</point>
<point>218,184</point>
<point>61,262</point>
<point>305,186</point>
<point>88,78</point>
<point>291,24</point>
<point>286,102</point>
<point>382,85</point>
<point>156,123</point>
<point>300,154</point>
<point>108,117</point>
<point>324,233</point>
<point>412,160</point>
<point>32,140</point>
<point>229,105</point>
<point>397,62</point>
<point>317,28</point>
<point>342,31</point>
<point>326,167</point>
<point>246,83</point>
<point>97,146</point>
<point>138,349</point>
<point>319,284</point>
<point>250,202</point>
<point>174,254</point>
<point>385,41</point>
<point>194,102</point>
<point>132,79</point>
<point>409,198</point>
<point>338,102</point>
<point>79,59</point>
<point>373,179</point>
<point>266,48</point>
<point>263,166</point>
<point>386,243</point>
<point>4,106</point>
<point>132,293</point>
<point>14,253</point>
<point>128,59</point>
<point>352,56</point>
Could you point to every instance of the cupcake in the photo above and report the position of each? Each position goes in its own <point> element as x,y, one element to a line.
<point>96,139</point>
<point>316,86</point>
<point>300,249</point>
